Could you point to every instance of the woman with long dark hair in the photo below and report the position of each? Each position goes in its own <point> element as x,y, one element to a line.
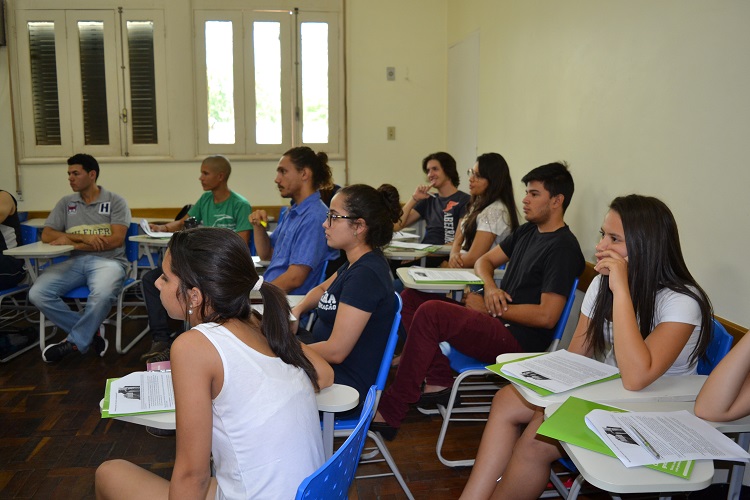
<point>244,386</point>
<point>491,215</point>
<point>355,306</point>
<point>644,313</point>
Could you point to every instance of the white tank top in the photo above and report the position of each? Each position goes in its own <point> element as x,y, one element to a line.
<point>266,430</point>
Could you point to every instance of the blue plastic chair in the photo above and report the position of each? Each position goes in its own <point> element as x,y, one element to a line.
<point>345,426</point>
<point>333,478</point>
<point>478,402</point>
<point>81,293</point>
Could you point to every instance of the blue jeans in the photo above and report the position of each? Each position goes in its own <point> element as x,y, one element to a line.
<point>103,277</point>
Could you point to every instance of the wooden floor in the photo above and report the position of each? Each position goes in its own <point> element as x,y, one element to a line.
<point>52,437</point>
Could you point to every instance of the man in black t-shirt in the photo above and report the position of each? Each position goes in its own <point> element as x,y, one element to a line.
<point>543,257</point>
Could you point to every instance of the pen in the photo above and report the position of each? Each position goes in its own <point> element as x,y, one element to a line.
<point>646,444</point>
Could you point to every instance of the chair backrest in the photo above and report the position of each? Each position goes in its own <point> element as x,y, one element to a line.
<point>132,248</point>
<point>333,478</point>
<point>560,327</point>
<point>390,347</point>
<point>718,347</point>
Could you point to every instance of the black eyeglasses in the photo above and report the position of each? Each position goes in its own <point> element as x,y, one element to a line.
<point>332,217</point>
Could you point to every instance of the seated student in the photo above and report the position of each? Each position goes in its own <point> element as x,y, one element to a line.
<point>12,271</point>
<point>355,306</point>
<point>545,258</point>
<point>95,221</point>
<point>491,215</point>
<point>726,394</point>
<point>244,386</point>
<point>297,248</point>
<point>644,313</point>
<point>218,206</point>
<point>441,211</point>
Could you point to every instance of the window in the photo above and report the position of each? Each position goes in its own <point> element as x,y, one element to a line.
<point>268,80</point>
<point>91,81</point>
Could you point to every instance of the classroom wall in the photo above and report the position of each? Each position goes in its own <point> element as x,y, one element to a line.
<point>377,33</point>
<point>638,96</point>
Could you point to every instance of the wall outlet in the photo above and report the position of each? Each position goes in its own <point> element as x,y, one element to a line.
<point>391,133</point>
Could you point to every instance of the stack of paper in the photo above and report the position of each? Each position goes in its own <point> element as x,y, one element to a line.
<point>443,276</point>
<point>555,372</point>
<point>153,234</point>
<point>139,393</point>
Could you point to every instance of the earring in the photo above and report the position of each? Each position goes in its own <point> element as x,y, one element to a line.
<point>190,312</point>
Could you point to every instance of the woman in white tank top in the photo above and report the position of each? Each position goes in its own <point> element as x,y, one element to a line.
<point>244,386</point>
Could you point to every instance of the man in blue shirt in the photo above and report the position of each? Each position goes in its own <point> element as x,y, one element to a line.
<point>297,249</point>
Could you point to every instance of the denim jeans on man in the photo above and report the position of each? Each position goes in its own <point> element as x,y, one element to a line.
<point>104,278</point>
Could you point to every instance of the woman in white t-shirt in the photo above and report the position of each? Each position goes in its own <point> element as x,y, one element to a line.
<point>244,386</point>
<point>644,313</point>
<point>491,215</point>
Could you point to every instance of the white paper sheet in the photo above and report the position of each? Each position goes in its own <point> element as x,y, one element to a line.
<point>559,371</point>
<point>644,438</point>
<point>154,234</point>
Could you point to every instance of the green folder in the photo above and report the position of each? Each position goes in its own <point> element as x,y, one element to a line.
<point>568,424</point>
<point>539,390</point>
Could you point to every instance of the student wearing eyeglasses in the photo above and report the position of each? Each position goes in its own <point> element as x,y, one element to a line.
<point>355,306</point>
<point>297,249</point>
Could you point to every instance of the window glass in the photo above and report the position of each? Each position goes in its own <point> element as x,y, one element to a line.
<point>44,83</point>
<point>142,82</point>
<point>267,52</point>
<point>220,82</point>
<point>93,82</point>
<point>314,42</point>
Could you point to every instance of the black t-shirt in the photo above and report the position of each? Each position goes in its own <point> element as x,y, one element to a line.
<point>539,263</point>
<point>366,285</point>
<point>441,216</point>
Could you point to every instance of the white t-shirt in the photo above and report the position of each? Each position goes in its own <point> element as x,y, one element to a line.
<point>493,219</point>
<point>670,307</point>
<point>266,431</point>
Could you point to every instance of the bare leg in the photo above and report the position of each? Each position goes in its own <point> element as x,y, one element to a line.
<point>509,411</point>
<point>117,479</point>
<point>527,473</point>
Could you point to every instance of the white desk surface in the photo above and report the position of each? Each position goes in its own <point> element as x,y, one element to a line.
<point>148,240</point>
<point>682,388</point>
<point>408,281</point>
<point>609,474</point>
<point>404,254</point>
<point>39,250</point>
<point>37,223</point>
<point>293,300</point>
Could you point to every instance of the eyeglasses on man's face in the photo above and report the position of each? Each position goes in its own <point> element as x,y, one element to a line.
<point>332,217</point>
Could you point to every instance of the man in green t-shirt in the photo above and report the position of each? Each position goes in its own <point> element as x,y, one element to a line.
<point>217,207</point>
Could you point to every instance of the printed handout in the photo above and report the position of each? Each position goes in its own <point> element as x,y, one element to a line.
<point>139,392</point>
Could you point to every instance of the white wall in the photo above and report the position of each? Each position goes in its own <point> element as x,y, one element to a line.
<point>638,96</point>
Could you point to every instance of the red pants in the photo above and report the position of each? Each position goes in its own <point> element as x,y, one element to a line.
<point>430,319</point>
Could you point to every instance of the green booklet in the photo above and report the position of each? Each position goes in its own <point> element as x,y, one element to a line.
<point>568,424</point>
<point>496,368</point>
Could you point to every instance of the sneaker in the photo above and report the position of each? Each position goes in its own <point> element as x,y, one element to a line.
<point>100,343</point>
<point>55,352</point>
<point>157,346</point>
<point>161,433</point>
<point>159,356</point>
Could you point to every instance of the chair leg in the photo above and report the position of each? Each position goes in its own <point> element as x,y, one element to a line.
<point>575,488</point>
<point>389,460</point>
<point>118,328</point>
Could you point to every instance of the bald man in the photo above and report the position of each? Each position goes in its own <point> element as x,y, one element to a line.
<point>217,207</point>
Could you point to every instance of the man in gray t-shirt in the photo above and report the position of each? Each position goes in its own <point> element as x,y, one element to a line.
<point>95,221</point>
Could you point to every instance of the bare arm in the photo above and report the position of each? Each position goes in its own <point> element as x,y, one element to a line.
<point>726,393</point>
<point>324,370</point>
<point>87,242</point>
<point>456,259</point>
<point>170,227</point>
<point>350,322</point>
<point>7,207</point>
<point>195,373</point>
<point>311,300</point>
<point>410,216</point>
<point>481,245</point>
<point>260,236</point>
<point>578,342</point>
<point>294,276</point>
